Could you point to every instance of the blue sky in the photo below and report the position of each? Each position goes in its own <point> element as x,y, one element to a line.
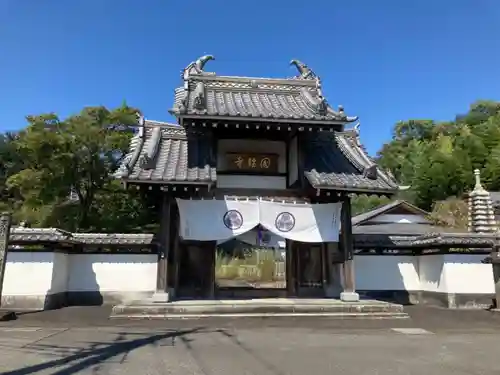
<point>385,60</point>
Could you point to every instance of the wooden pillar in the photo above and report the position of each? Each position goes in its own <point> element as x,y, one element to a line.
<point>176,253</point>
<point>211,249</point>
<point>325,264</point>
<point>290,268</point>
<point>161,294</point>
<point>5,220</point>
<point>347,243</point>
<point>329,287</point>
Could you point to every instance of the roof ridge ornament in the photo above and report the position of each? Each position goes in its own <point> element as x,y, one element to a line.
<point>196,67</point>
<point>322,105</point>
<point>371,168</point>
<point>140,119</point>
<point>304,71</point>
<point>318,87</point>
<point>356,128</point>
<point>355,132</point>
<point>199,101</point>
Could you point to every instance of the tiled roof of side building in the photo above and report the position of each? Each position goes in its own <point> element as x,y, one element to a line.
<point>366,216</point>
<point>27,235</point>
<point>466,240</point>
<point>299,99</point>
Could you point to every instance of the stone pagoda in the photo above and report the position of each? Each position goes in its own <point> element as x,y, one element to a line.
<point>481,213</point>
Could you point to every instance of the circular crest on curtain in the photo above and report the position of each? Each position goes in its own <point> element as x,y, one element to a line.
<point>285,222</point>
<point>232,219</point>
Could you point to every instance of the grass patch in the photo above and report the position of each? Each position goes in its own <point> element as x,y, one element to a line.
<point>257,265</point>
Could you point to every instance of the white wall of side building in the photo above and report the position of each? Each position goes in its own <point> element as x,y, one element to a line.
<point>120,273</point>
<point>377,272</point>
<point>28,278</point>
<point>452,280</point>
<point>35,280</point>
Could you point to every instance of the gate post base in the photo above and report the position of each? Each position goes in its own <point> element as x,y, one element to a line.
<point>349,297</point>
<point>161,297</point>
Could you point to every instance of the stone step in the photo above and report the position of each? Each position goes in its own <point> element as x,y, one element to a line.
<point>197,309</point>
<point>263,315</point>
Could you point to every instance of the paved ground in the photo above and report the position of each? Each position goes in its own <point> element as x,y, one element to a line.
<point>83,341</point>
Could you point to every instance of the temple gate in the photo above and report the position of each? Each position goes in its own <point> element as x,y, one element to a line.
<point>252,153</point>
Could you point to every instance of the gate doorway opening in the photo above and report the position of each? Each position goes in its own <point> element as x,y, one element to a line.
<point>252,265</point>
<point>309,268</point>
<point>256,264</point>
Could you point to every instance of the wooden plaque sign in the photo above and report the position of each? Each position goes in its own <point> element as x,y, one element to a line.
<point>267,163</point>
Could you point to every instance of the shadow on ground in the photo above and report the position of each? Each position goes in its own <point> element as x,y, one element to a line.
<point>66,316</point>
<point>98,353</point>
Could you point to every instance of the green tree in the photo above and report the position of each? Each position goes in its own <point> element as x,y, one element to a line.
<point>10,164</point>
<point>408,137</point>
<point>437,159</point>
<point>75,155</point>
<point>364,203</point>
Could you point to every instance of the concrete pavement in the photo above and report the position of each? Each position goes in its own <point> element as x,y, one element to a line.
<point>83,341</point>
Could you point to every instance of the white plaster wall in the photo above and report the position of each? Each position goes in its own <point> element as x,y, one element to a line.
<point>251,182</point>
<point>375,272</point>
<point>450,273</point>
<point>465,274</point>
<point>42,273</point>
<point>112,272</point>
<point>28,274</point>
<point>431,271</point>
<point>60,273</point>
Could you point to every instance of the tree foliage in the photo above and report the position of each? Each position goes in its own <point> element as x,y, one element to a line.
<point>59,172</point>
<point>363,203</point>
<point>437,159</point>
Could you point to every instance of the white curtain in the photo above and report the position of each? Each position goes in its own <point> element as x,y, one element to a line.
<point>216,220</point>
<point>302,222</point>
<point>219,220</point>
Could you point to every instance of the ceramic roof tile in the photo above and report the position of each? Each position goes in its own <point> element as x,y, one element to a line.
<point>37,235</point>
<point>293,99</point>
<point>297,103</point>
<point>468,241</point>
<point>168,154</point>
<point>335,161</point>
